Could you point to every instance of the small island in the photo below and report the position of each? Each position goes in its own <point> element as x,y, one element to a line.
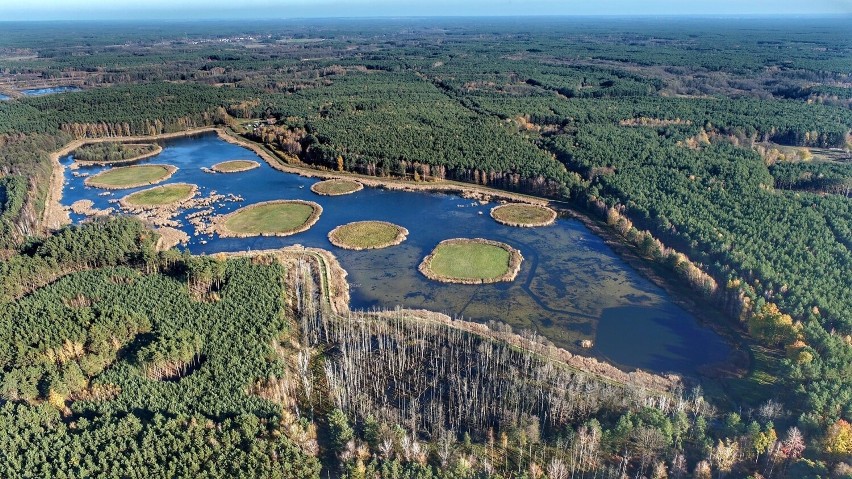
<point>336,187</point>
<point>472,261</point>
<point>234,166</point>
<point>270,218</point>
<point>523,215</point>
<point>363,235</point>
<point>160,196</point>
<point>110,152</point>
<point>131,176</point>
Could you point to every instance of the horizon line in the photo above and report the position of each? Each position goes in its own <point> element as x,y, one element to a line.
<point>827,15</point>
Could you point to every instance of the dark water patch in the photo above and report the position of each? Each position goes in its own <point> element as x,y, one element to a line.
<point>571,285</point>
<point>656,338</point>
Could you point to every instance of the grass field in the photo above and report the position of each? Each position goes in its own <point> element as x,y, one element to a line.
<point>131,176</point>
<point>367,235</point>
<point>469,260</point>
<point>235,166</point>
<point>271,218</point>
<point>161,195</point>
<point>517,214</point>
<point>336,187</point>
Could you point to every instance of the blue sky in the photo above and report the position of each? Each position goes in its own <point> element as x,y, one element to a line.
<point>218,9</point>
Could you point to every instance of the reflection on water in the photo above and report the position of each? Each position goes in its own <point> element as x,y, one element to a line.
<point>571,285</point>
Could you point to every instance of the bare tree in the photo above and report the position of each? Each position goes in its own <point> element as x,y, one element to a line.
<point>557,469</point>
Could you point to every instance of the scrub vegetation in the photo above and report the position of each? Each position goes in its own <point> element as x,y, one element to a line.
<point>717,149</point>
<point>115,152</point>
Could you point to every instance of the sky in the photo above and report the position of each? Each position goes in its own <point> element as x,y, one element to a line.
<point>274,9</point>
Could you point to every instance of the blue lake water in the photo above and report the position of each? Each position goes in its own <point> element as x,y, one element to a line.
<point>571,285</point>
<point>50,90</point>
<point>3,97</point>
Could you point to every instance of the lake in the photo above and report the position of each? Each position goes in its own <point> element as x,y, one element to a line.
<point>571,287</point>
<point>50,90</point>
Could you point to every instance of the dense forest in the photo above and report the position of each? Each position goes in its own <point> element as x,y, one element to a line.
<point>719,149</point>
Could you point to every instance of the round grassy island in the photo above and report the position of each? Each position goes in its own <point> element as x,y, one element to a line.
<point>362,235</point>
<point>131,176</point>
<point>234,166</point>
<point>160,196</point>
<point>336,187</point>
<point>523,215</point>
<point>270,218</point>
<point>472,261</point>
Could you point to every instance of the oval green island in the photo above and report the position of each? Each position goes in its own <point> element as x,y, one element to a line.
<point>336,187</point>
<point>270,218</point>
<point>159,196</point>
<point>235,166</point>
<point>131,176</point>
<point>362,235</point>
<point>472,261</point>
<point>523,215</point>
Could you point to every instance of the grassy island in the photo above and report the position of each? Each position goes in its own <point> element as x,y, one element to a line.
<point>270,218</point>
<point>109,152</point>
<point>234,166</point>
<point>160,196</point>
<point>336,187</point>
<point>523,215</point>
<point>131,176</point>
<point>472,261</point>
<point>362,235</point>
